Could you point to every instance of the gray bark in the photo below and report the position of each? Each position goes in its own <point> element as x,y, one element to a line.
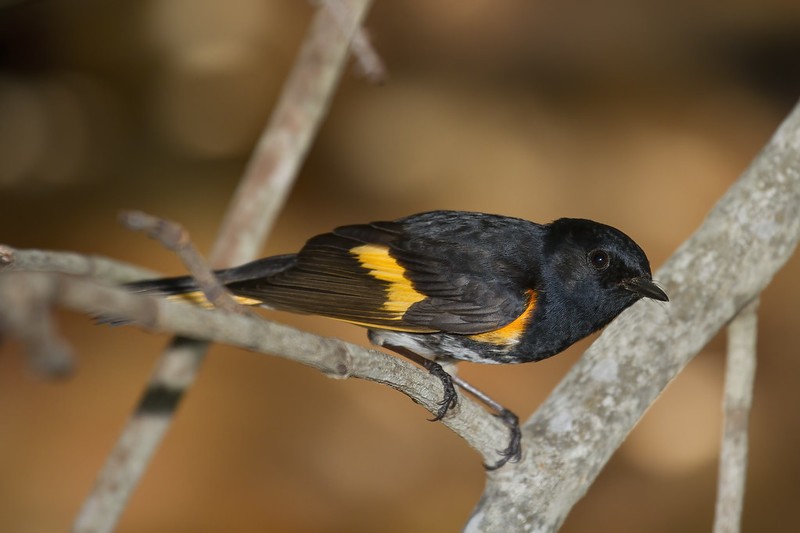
<point>724,265</point>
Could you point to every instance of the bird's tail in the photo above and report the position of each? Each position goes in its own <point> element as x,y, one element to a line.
<point>185,288</point>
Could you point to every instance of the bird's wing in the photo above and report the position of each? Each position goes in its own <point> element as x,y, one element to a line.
<point>378,275</point>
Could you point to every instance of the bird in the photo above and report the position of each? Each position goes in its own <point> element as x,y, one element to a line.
<point>446,286</point>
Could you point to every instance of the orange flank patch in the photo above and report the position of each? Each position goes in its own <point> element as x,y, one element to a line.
<point>511,332</point>
<point>400,292</point>
<point>199,299</point>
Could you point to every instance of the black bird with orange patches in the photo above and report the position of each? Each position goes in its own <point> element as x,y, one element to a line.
<point>452,285</point>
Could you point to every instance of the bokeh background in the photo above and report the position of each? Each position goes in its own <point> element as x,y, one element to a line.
<point>636,113</point>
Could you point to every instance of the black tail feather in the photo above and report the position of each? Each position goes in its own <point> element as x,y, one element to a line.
<point>165,286</point>
<point>260,268</point>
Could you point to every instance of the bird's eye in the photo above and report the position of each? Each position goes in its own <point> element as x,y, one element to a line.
<point>599,259</point>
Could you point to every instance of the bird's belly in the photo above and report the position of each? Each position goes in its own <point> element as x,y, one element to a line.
<point>444,346</point>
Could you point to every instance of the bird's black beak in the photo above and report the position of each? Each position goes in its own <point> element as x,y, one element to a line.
<point>644,287</point>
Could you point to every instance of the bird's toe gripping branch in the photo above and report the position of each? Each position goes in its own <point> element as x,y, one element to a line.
<point>450,398</point>
<point>513,451</point>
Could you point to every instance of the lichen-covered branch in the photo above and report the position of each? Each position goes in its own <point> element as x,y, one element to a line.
<point>730,259</point>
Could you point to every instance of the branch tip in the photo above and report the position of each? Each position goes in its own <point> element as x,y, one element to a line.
<point>7,255</point>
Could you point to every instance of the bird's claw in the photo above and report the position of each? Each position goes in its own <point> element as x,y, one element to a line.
<point>513,451</point>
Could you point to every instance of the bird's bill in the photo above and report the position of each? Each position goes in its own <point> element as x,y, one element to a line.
<point>645,288</point>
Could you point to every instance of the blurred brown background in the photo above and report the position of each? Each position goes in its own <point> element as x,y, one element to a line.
<point>637,114</point>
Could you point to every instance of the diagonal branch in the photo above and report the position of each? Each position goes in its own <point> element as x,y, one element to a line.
<point>730,259</point>
<point>303,103</point>
<point>260,194</point>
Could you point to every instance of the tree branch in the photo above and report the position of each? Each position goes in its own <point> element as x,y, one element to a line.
<point>337,359</point>
<point>369,62</point>
<point>46,352</point>
<point>174,237</point>
<point>739,377</point>
<point>303,103</point>
<point>730,259</point>
<point>12,259</point>
<point>26,315</point>
<point>261,192</point>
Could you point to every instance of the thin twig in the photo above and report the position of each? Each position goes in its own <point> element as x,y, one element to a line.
<point>739,379</point>
<point>370,64</point>
<point>28,318</point>
<point>262,191</point>
<point>95,267</point>
<point>47,353</point>
<point>174,237</point>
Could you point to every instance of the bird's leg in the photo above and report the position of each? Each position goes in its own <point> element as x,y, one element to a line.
<point>450,398</point>
<point>513,451</point>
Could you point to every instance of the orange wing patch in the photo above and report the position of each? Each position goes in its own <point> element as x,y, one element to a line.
<point>400,292</point>
<point>511,332</point>
<point>199,299</point>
